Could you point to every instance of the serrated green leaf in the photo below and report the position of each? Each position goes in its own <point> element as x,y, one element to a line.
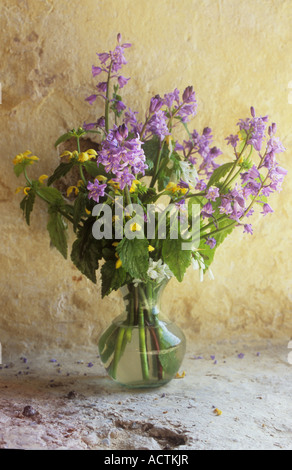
<point>27,205</point>
<point>111,278</point>
<point>60,171</point>
<point>57,229</point>
<point>134,256</point>
<point>178,260</point>
<point>209,253</point>
<point>51,195</point>
<point>86,251</point>
<point>79,208</point>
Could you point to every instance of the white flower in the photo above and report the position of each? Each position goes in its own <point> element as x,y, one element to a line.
<point>158,270</point>
<point>189,173</point>
<point>198,263</point>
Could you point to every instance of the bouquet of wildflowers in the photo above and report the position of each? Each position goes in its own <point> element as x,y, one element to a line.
<point>116,212</point>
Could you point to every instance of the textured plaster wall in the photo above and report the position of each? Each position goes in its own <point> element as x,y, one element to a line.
<point>236,53</point>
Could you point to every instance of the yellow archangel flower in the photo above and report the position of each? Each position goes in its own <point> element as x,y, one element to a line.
<point>81,157</point>
<point>88,155</point>
<point>72,188</point>
<point>173,187</point>
<point>150,248</point>
<point>134,186</point>
<point>24,189</point>
<point>118,263</point>
<point>42,178</point>
<point>135,227</point>
<point>25,156</point>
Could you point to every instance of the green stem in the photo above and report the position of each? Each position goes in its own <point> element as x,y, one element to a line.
<point>156,168</point>
<point>117,353</point>
<point>82,175</point>
<point>106,117</point>
<point>142,343</point>
<point>222,229</point>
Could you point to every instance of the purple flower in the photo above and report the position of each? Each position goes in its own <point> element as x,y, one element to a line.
<point>232,140</point>
<point>96,190</point>
<point>240,356</point>
<point>102,86</point>
<point>96,70</point>
<point>189,95</point>
<point>211,242</point>
<point>248,229</point>
<point>91,99</point>
<point>207,210</point>
<point>122,81</point>
<point>169,98</point>
<point>122,156</point>
<point>212,193</point>
<point>266,209</point>
<point>155,104</point>
<point>183,184</point>
<point>201,185</point>
<point>157,125</point>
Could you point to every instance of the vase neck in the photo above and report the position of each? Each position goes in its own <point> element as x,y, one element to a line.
<point>143,300</point>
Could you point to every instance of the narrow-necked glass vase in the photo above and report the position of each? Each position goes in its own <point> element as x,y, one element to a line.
<point>142,348</point>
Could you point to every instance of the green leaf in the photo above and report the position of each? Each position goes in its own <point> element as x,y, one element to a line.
<point>86,251</point>
<point>112,278</point>
<point>94,170</point>
<point>178,260</point>
<point>64,138</point>
<point>219,173</point>
<point>134,256</point>
<point>60,171</point>
<point>19,168</point>
<point>209,253</point>
<point>57,229</point>
<point>51,195</point>
<point>151,149</point>
<point>168,359</point>
<point>27,205</point>
<point>79,208</point>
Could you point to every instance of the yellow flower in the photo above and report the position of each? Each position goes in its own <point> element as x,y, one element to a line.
<point>217,412</point>
<point>87,211</point>
<point>72,188</point>
<point>173,187</point>
<point>24,156</point>
<point>24,189</point>
<point>151,248</point>
<point>134,186</point>
<point>88,155</point>
<point>42,178</point>
<point>118,263</point>
<point>135,227</point>
<point>66,153</point>
<point>180,376</point>
<point>101,178</point>
<point>115,244</point>
<point>114,184</point>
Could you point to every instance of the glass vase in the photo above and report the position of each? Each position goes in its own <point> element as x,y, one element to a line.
<point>141,348</point>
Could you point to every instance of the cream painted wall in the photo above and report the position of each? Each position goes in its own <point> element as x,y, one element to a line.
<point>236,53</point>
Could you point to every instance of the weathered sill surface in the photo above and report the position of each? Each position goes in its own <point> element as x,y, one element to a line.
<point>71,404</point>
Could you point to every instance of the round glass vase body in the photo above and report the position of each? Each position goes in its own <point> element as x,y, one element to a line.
<point>141,348</point>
